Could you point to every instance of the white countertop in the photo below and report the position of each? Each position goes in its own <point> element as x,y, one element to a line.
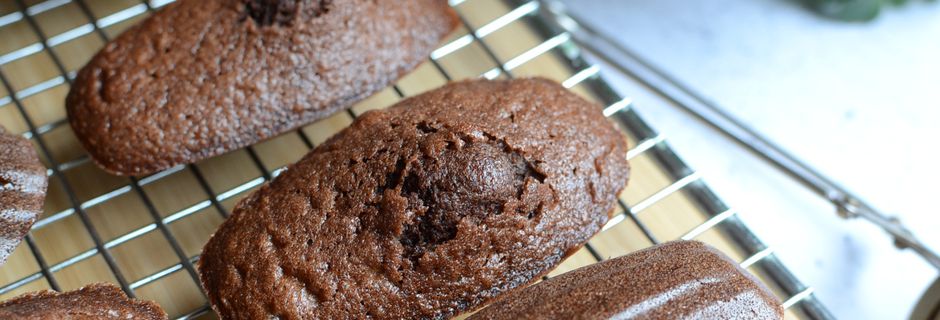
<point>859,102</point>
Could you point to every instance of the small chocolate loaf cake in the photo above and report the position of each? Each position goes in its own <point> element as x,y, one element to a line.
<point>96,301</point>
<point>675,280</point>
<point>424,210</point>
<point>203,77</point>
<point>22,190</point>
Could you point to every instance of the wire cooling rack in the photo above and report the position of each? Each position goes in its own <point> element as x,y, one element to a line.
<point>145,234</point>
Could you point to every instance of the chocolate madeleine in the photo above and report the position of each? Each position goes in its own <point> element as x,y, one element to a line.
<point>96,301</point>
<point>200,78</point>
<point>23,185</point>
<point>675,280</point>
<point>427,209</point>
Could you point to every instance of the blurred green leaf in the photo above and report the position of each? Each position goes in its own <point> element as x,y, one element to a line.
<point>851,10</point>
<point>847,10</point>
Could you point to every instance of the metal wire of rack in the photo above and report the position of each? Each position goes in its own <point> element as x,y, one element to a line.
<point>846,204</point>
<point>554,41</point>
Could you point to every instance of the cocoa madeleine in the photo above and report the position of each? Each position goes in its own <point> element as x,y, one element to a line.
<point>23,186</point>
<point>199,78</point>
<point>427,209</point>
<point>674,280</point>
<point>96,301</point>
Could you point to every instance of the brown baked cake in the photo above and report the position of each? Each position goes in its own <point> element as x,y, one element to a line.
<point>675,280</point>
<point>22,190</point>
<point>424,210</point>
<point>96,301</point>
<point>202,77</point>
